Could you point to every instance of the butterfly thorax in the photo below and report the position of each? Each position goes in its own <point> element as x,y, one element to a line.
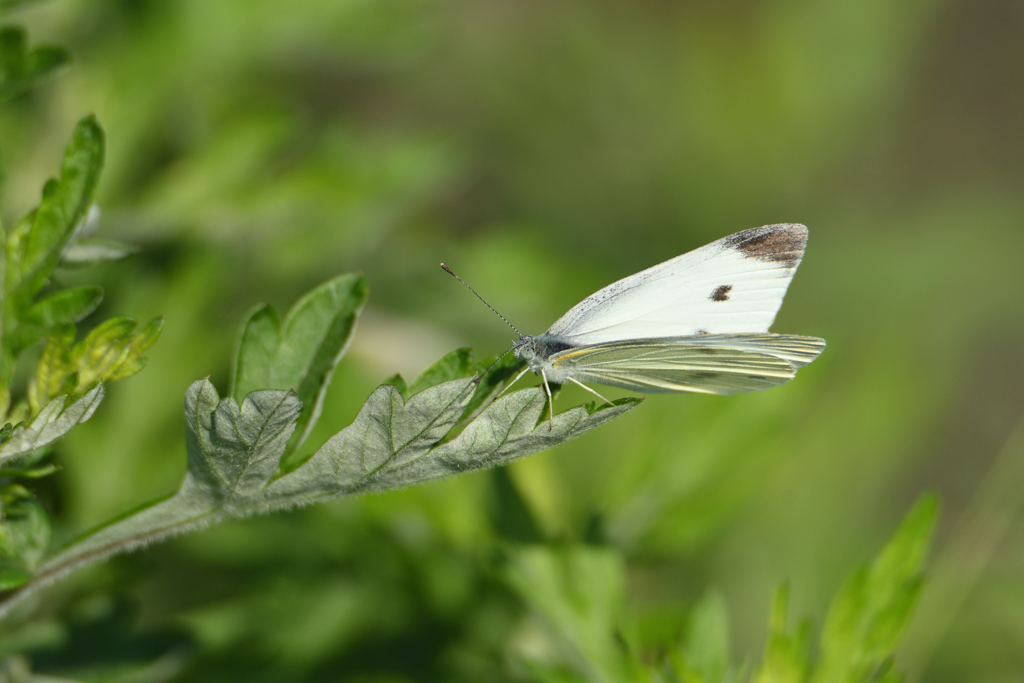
<point>537,352</point>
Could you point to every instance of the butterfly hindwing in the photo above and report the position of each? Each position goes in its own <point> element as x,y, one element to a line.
<point>713,364</point>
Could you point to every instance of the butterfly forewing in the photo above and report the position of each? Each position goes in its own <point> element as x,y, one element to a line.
<point>733,285</point>
<point>713,364</point>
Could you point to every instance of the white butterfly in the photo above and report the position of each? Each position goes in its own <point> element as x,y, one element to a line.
<point>697,322</point>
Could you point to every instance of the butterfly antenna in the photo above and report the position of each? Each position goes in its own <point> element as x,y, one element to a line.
<point>452,273</point>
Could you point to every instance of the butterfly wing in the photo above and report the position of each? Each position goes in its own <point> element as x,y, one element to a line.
<point>733,285</point>
<point>710,364</point>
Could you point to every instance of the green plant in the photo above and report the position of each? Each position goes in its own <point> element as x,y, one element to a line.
<point>238,445</point>
<point>248,451</point>
<point>580,631</point>
<point>68,381</point>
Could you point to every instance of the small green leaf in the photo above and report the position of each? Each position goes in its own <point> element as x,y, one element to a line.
<point>301,353</point>
<point>111,352</point>
<point>135,345</point>
<point>60,307</point>
<point>787,655</point>
<point>21,69</point>
<point>706,646</point>
<point>64,306</point>
<point>399,383</point>
<point>34,246</point>
<point>513,520</point>
<point>53,422</point>
<point>492,376</point>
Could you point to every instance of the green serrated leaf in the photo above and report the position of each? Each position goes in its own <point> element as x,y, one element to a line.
<point>301,352</point>
<point>235,452</point>
<point>64,306</point>
<point>33,247</point>
<point>492,375</point>
<point>58,308</point>
<point>53,422</point>
<point>132,361</point>
<point>21,69</point>
<point>232,453</point>
<point>395,443</point>
<point>111,351</point>
<point>399,383</point>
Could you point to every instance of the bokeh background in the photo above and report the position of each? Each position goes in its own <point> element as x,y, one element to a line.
<point>545,149</point>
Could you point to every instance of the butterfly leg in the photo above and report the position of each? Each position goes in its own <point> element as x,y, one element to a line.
<point>580,384</point>
<point>551,402</point>
<point>509,385</point>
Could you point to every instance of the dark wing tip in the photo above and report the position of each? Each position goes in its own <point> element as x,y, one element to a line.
<point>779,243</point>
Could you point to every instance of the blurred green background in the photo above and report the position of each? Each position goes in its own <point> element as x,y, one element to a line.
<point>543,150</point>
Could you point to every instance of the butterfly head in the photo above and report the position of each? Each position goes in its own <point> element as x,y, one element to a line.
<point>524,348</point>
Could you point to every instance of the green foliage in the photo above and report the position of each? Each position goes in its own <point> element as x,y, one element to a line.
<point>33,250</point>
<point>24,537</point>
<point>869,613</point>
<point>235,450</point>
<point>68,382</point>
<point>22,69</point>
<point>576,592</point>
<point>111,351</point>
<point>51,423</point>
<point>865,620</point>
<point>301,353</point>
<point>259,148</point>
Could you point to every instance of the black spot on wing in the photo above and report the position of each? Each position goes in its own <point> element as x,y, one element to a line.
<point>721,293</point>
<point>783,243</point>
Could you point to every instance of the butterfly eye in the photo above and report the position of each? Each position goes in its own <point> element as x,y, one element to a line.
<point>526,353</point>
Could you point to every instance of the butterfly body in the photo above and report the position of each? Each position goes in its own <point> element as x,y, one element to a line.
<point>697,322</point>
